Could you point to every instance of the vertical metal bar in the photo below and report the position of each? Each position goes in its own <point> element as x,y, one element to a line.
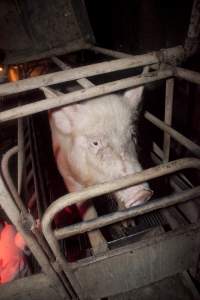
<point>192,40</point>
<point>20,155</point>
<point>168,116</point>
<point>13,214</point>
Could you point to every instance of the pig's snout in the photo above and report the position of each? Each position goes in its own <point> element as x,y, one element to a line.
<point>136,195</point>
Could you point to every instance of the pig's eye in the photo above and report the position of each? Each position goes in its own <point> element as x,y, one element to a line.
<point>95,143</point>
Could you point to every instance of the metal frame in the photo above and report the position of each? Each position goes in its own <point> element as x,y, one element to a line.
<point>55,269</point>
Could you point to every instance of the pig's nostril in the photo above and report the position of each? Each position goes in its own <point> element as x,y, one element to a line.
<point>140,197</point>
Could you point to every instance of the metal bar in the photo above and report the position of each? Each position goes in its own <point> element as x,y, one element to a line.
<point>192,40</point>
<point>112,53</point>
<point>97,190</point>
<point>13,214</point>
<point>96,238</point>
<point>81,95</point>
<point>20,157</point>
<point>108,219</point>
<point>168,116</point>
<point>188,75</point>
<point>194,148</point>
<point>76,73</point>
<point>172,56</point>
<point>8,179</point>
<point>18,201</point>
<point>83,82</point>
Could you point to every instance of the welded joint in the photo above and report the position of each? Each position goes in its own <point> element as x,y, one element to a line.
<point>56,266</point>
<point>27,221</point>
<point>172,56</point>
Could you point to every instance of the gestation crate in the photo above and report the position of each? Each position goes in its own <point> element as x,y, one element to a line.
<point>128,265</point>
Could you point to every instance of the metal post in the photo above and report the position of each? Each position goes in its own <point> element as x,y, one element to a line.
<point>192,41</point>
<point>168,116</point>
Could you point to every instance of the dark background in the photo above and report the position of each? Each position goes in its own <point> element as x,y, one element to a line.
<point>138,26</point>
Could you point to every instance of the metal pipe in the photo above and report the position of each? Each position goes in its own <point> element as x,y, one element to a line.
<point>109,219</point>
<point>20,157</point>
<point>97,190</point>
<point>109,52</point>
<point>81,95</point>
<point>18,201</point>
<point>169,92</point>
<point>188,75</point>
<point>6,174</point>
<point>171,56</point>
<point>77,73</point>
<point>13,214</point>
<point>83,82</point>
<point>192,40</point>
<point>191,146</point>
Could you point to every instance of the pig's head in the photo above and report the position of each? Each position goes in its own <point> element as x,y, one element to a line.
<point>94,142</point>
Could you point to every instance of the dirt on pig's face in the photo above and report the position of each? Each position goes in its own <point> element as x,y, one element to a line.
<point>94,142</point>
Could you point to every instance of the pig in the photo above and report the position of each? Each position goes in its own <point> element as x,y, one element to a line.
<point>95,142</point>
<point>13,262</point>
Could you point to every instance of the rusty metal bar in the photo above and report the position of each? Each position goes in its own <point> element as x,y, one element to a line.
<point>169,92</point>
<point>188,75</point>
<point>97,190</point>
<point>81,95</point>
<point>108,219</point>
<point>191,146</point>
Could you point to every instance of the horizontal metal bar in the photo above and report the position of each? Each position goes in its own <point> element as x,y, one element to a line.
<point>174,55</point>
<point>32,108</point>
<point>188,75</point>
<point>83,82</point>
<point>76,73</point>
<point>187,143</point>
<point>130,213</point>
<point>97,190</point>
<point>109,52</point>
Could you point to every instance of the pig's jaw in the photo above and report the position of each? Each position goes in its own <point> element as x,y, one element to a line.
<point>135,195</point>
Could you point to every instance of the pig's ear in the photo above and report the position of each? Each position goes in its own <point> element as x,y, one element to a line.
<point>65,118</point>
<point>134,96</point>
